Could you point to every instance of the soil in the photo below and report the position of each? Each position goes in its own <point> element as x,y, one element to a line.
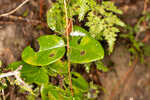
<point>15,35</point>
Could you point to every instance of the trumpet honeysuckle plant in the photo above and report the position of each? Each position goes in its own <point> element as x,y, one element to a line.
<point>72,45</point>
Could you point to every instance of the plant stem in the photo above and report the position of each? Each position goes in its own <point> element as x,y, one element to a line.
<point>3,94</point>
<point>68,48</point>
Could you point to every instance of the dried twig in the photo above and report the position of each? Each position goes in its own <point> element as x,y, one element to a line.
<point>6,22</point>
<point>19,18</point>
<point>14,10</point>
<point>19,81</point>
<point>13,73</point>
<point>3,94</point>
<point>23,19</point>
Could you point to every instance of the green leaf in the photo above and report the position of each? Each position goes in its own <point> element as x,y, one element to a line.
<point>50,92</point>
<point>100,66</point>
<point>3,84</point>
<point>15,65</point>
<point>30,97</point>
<point>58,67</point>
<point>110,36</point>
<point>56,18</point>
<point>87,67</point>
<point>108,5</point>
<point>51,49</point>
<point>83,8</point>
<point>32,74</point>
<point>79,83</point>
<point>84,49</point>
<point>29,73</point>
<point>102,22</point>
<point>146,50</point>
<point>0,63</point>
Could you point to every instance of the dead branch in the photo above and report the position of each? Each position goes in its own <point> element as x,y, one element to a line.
<point>14,10</point>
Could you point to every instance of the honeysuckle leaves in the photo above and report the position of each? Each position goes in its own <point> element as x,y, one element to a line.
<point>30,73</point>
<point>58,67</point>
<point>50,92</point>
<point>78,82</point>
<point>51,49</point>
<point>84,49</point>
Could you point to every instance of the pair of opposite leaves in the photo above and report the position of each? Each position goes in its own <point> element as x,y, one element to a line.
<point>83,49</point>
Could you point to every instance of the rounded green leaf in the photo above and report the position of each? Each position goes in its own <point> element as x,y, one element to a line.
<point>51,49</point>
<point>83,48</point>
<point>32,74</point>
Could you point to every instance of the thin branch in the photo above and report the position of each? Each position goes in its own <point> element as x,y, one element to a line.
<point>27,20</point>
<point>14,10</point>
<point>144,11</point>
<point>41,8</point>
<point>8,74</point>
<point>3,94</point>
<point>68,26</point>
<point>19,81</point>
<point>13,73</point>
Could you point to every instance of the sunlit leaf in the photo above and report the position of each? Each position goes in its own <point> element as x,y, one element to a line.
<point>79,82</point>
<point>0,63</point>
<point>84,49</point>
<point>15,65</point>
<point>51,49</point>
<point>32,74</point>
<point>58,67</point>
<point>50,92</point>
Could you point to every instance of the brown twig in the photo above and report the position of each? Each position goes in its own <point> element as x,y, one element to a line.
<point>123,79</point>
<point>144,22</point>
<point>19,18</point>
<point>144,11</point>
<point>6,22</point>
<point>3,94</point>
<point>14,10</point>
<point>22,19</point>
<point>18,81</point>
<point>146,38</point>
<point>41,8</point>
<point>68,27</point>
